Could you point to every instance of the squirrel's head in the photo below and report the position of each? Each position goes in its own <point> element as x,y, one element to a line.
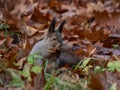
<point>54,36</point>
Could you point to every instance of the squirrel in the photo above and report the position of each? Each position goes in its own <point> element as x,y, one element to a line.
<point>53,40</point>
<point>53,49</point>
<point>51,43</point>
<point>47,47</point>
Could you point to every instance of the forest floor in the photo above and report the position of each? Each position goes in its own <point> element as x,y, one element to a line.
<point>92,28</point>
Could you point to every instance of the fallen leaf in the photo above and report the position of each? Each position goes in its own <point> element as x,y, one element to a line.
<point>2,41</point>
<point>96,83</point>
<point>29,30</point>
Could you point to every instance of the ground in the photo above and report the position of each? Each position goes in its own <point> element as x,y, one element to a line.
<point>92,29</point>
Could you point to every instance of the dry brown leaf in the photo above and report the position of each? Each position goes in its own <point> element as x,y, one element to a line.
<point>20,62</point>
<point>95,35</point>
<point>95,7</point>
<point>27,47</point>
<point>2,41</point>
<point>96,83</point>
<point>9,41</point>
<point>39,16</point>
<point>80,52</point>
<point>108,19</point>
<point>30,30</point>
<point>90,50</point>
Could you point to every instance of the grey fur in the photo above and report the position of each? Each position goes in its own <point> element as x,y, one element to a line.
<point>52,39</point>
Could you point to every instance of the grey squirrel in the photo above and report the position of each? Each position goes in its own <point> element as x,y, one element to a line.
<point>47,48</point>
<point>51,42</point>
<point>51,48</point>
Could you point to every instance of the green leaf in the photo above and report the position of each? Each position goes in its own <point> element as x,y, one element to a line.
<point>114,65</point>
<point>16,81</point>
<point>85,62</point>
<point>31,58</point>
<point>4,26</point>
<point>45,63</point>
<point>1,82</point>
<point>38,56</point>
<point>36,69</point>
<point>97,69</point>
<point>49,83</point>
<point>87,68</point>
<point>78,65</point>
<point>26,72</point>
<point>116,46</point>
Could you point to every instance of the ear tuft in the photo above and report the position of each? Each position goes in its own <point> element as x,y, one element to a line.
<point>52,26</point>
<point>61,26</point>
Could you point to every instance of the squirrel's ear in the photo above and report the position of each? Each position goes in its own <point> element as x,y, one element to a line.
<point>52,26</point>
<point>61,26</point>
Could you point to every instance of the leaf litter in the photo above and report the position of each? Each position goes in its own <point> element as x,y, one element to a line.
<point>92,29</point>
